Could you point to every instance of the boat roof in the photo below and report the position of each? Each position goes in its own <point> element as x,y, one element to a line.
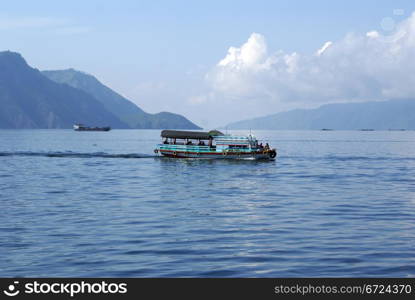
<point>198,135</point>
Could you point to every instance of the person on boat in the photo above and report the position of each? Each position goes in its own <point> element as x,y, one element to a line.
<point>189,143</point>
<point>165,141</point>
<point>266,146</point>
<point>201,143</point>
<point>260,146</point>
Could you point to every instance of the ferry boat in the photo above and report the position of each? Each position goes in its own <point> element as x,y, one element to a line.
<point>81,127</point>
<point>212,145</point>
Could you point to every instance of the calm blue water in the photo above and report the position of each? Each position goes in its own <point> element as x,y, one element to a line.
<point>99,204</point>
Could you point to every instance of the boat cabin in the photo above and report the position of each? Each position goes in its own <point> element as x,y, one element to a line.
<point>207,141</point>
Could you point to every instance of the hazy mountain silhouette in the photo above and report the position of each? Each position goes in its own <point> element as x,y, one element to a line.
<point>30,100</point>
<point>124,109</point>
<point>382,115</point>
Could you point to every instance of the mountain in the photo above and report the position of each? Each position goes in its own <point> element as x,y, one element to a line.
<point>124,109</point>
<point>382,115</point>
<point>30,100</point>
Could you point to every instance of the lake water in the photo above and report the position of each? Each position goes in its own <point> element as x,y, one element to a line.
<point>334,203</point>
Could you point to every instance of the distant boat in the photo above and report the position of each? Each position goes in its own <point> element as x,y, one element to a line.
<point>81,127</point>
<point>367,129</point>
<point>326,129</point>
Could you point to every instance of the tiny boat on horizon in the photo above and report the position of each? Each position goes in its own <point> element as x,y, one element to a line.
<point>81,127</point>
<point>212,145</point>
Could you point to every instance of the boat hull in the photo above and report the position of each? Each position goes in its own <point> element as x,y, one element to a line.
<point>258,155</point>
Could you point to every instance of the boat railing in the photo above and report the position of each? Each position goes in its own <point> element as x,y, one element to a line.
<point>236,150</point>
<point>197,148</point>
<point>190,148</point>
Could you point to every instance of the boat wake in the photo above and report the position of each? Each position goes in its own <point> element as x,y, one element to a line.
<point>76,154</point>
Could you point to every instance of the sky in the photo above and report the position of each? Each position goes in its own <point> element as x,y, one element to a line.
<point>216,62</point>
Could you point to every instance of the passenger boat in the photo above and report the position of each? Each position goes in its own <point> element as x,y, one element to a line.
<point>81,127</point>
<point>212,145</point>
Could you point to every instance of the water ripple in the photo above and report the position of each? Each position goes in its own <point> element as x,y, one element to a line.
<point>338,204</point>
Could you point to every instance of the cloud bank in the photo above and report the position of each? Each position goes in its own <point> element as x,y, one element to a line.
<point>371,66</point>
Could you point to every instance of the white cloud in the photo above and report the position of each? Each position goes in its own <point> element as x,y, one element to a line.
<point>371,66</point>
<point>324,48</point>
<point>251,54</point>
<point>373,34</point>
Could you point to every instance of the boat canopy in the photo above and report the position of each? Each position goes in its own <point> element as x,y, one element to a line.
<point>197,135</point>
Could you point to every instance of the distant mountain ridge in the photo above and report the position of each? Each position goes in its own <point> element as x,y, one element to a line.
<point>30,99</point>
<point>123,108</point>
<point>382,115</point>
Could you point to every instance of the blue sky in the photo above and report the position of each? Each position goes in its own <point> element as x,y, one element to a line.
<point>164,55</point>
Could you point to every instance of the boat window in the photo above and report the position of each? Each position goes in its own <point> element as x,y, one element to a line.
<point>188,142</point>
